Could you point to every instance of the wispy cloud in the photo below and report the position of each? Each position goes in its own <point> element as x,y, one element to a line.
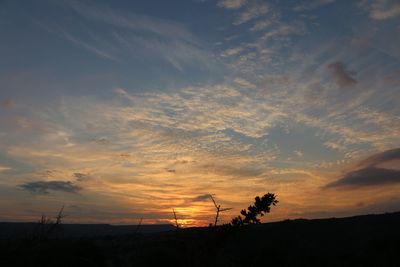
<point>274,120</point>
<point>230,149</point>
<point>377,159</point>
<point>44,187</point>
<point>232,51</point>
<point>88,46</point>
<point>298,153</point>
<point>282,29</point>
<point>136,22</point>
<point>81,176</point>
<point>261,25</point>
<point>129,35</point>
<point>8,103</point>
<point>91,42</point>
<point>4,168</point>
<point>369,176</point>
<point>205,197</point>
<point>342,76</point>
<point>177,53</point>
<point>381,9</point>
<point>244,83</point>
<point>369,173</point>
<point>312,4</point>
<point>231,4</point>
<point>251,12</point>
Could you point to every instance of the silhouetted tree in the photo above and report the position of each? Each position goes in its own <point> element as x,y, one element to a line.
<point>261,207</point>
<point>217,210</point>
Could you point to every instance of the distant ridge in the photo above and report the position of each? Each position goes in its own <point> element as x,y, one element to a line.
<point>347,218</point>
<point>25,229</point>
<point>366,240</point>
<point>11,230</point>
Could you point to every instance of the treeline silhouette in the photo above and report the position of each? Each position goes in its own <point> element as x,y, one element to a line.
<point>252,215</point>
<point>371,240</point>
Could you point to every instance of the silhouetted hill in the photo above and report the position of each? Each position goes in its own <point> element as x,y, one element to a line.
<point>22,230</point>
<point>371,240</point>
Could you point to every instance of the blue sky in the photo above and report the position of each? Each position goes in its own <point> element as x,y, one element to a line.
<point>127,109</point>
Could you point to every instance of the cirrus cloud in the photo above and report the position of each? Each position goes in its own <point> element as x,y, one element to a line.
<point>231,4</point>
<point>381,9</point>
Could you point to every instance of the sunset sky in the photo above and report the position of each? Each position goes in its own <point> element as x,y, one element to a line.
<point>122,110</point>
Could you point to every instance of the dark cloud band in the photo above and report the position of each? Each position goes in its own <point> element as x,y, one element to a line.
<point>369,174</point>
<point>388,155</point>
<point>42,187</point>
<point>341,75</point>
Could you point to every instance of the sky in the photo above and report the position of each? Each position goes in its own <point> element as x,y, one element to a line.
<point>122,110</point>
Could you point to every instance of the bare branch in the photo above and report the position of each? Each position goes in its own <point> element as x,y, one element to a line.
<point>138,226</point>
<point>176,219</point>
<point>213,200</point>
<point>218,209</point>
<point>60,215</point>
<point>225,209</point>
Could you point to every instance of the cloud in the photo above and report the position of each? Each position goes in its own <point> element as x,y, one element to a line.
<point>231,4</point>
<point>360,42</point>
<point>120,92</point>
<point>393,78</point>
<point>261,25</point>
<point>135,22</point>
<point>4,168</point>
<point>386,14</point>
<point>240,171</point>
<point>200,198</point>
<point>92,43</point>
<point>128,35</point>
<point>335,145</point>
<point>8,103</point>
<point>81,176</point>
<point>221,135</point>
<point>232,51</point>
<point>101,141</point>
<point>298,153</point>
<point>341,75</point>
<point>175,51</point>
<point>189,124</point>
<point>381,9</point>
<point>370,176</point>
<point>244,83</point>
<point>389,155</point>
<point>283,30</point>
<point>89,47</point>
<point>123,93</point>
<point>252,12</point>
<point>312,4</point>
<point>43,187</point>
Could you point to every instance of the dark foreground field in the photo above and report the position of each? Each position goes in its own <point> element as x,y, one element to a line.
<point>371,240</point>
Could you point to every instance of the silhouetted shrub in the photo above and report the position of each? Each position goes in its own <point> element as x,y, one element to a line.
<point>47,227</point>
<point>260,208</point>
